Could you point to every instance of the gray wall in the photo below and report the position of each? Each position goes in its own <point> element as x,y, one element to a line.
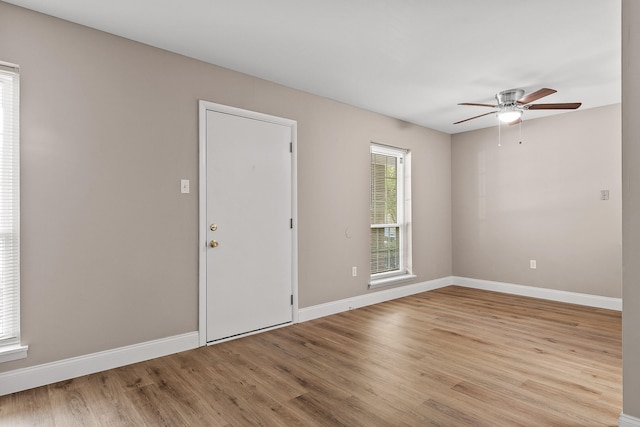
<point>109,127</point>
<point>541,200</point>
<point>631,206</point>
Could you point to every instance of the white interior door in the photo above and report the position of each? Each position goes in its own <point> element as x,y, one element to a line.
<point>248,225</point>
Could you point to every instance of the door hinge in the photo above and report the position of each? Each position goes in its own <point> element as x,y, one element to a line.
<point>291,299</point>
<point>291,147</point>
<point>290,222</point>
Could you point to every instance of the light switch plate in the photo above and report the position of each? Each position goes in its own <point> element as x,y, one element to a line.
<point>184,186</point>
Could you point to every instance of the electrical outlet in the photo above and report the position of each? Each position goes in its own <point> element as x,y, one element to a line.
<point>604,194</point>
<point>532,264</point>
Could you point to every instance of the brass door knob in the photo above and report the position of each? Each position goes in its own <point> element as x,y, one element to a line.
<point>213,244</point>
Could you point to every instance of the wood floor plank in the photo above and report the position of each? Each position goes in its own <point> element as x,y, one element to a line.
<point>71,405</point>
<point>105,392</point>
<point>450,357</point>
<point>27,408</point>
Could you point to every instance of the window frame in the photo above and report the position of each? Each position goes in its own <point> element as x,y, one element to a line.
<point>403,215</point>
<point>10,346</point>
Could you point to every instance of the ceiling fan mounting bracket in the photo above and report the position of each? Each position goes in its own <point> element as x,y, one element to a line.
<point>509,97</point>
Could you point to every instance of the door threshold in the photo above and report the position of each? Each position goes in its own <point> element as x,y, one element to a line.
<point>246,334</point>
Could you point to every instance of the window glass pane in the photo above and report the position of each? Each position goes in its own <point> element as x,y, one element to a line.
<point>385,249</point>
<point>384,184</point>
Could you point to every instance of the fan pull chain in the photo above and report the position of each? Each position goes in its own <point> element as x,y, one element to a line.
<point>520,129</point>
<point>499,133</point>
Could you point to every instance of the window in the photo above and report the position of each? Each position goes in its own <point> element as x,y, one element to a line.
<point>10,348</point>
<point>390,213</point>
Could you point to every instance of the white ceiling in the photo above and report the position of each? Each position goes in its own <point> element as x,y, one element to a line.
<point>409,59</point>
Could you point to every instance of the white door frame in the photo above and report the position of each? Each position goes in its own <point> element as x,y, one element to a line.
<point>203,107</point>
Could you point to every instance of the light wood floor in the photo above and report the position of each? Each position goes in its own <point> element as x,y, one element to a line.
<point>451,357</point>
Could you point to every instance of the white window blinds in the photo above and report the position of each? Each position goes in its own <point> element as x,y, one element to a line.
<point>9,206</point>
<point>385,227</point>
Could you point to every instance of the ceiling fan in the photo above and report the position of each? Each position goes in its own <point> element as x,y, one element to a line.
<point>513,102</point>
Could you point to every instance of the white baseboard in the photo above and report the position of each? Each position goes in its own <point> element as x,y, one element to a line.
<point>543,293</point>
<point>48,373</point>
<point>334,307</point>
<point>628,421</point>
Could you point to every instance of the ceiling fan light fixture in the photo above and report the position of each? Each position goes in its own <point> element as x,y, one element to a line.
<point>509,115</point>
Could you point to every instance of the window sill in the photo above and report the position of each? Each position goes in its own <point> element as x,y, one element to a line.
<point>13,352</point>
<point>387,281</point>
